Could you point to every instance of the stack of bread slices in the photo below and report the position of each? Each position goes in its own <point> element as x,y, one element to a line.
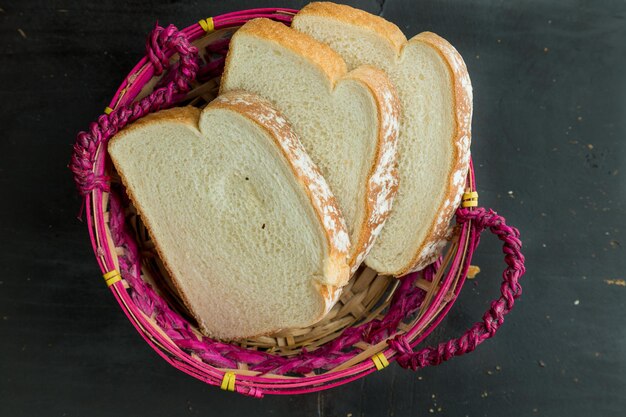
<point>334,142</point>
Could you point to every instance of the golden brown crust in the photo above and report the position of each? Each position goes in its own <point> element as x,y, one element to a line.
<point>462,93</point>
<point>382,180</point>
<point>359,18</point>
<point>318,53</point>
<point>187,115</point>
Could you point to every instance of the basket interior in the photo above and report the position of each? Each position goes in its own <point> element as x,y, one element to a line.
<point>372,309</point>
<point>366,299</point>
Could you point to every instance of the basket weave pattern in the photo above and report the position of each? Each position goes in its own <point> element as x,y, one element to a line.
<point>378,319</point>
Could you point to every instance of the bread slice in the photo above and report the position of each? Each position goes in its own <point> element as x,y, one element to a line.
<point>241,217</point>
<point>347,122</point>
<point>434,141</point>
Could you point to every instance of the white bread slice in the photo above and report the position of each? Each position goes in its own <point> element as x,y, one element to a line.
<point>241,217</point>
<point>434,141</point>
<point>347,122</point>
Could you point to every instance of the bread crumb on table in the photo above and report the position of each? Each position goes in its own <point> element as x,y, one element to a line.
<point>472,271</point>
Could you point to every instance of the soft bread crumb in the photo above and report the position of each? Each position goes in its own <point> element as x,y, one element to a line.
<point>348,122</point>
<point>434,140</point>
<point>204,183</point>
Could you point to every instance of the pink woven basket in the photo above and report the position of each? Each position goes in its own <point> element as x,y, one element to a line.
<point>377,320</point>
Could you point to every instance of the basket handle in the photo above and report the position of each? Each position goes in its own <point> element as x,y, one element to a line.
<point>510,289</point>
<point>159,46</point>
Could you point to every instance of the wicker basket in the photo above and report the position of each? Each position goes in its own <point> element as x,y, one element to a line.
<point>377,320</point>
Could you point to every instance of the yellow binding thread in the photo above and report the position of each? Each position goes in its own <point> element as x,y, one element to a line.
<point>380,360</point>
<point>228,382</point>
<point>470,199</point>
<point>207,24</point>
<point>112,277</point>
<point>108,110</point>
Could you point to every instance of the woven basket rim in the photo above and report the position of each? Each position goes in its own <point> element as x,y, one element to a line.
<point>129,90</point>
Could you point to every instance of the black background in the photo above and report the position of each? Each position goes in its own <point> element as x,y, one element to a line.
<point>549,146</point>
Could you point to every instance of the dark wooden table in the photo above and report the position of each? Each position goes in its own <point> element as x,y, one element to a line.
<point>549,146</point>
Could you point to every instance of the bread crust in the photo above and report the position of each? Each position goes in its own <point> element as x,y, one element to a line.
<point>260,112</point>
<point>439,231</point>
<point>186,115</point>
<point>318,53</point>
<point>390,32</point>
<point>382,181</point>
